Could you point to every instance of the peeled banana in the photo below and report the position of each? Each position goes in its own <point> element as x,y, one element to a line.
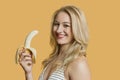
<point>28,49</point>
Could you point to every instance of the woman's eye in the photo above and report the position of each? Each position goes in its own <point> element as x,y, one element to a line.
<point>56,24</point>
<point>66,25</point>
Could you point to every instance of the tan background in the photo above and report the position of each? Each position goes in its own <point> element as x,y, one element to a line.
<point>19,17</point>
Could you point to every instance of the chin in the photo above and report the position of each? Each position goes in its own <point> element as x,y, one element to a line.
<point>61,43</point>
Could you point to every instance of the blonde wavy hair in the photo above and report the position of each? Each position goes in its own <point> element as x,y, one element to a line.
<point>80,33</point>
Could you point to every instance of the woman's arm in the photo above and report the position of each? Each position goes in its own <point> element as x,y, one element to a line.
<point>79,70</point>
<point>28,76</point>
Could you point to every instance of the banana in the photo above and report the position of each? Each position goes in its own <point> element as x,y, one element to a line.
<point>28,49</point>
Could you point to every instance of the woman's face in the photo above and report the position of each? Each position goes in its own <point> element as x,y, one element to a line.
<point>62,28</point>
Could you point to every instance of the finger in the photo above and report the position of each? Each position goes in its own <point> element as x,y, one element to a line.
<point>26,62</point>
<point>26,51</point>
<point>21,50</point>
<point>29,63</point>
<point>23,53</point>
<point>27,59</point>
<point>25,56</point>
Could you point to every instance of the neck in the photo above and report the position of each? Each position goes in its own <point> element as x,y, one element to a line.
<point>63,48</point>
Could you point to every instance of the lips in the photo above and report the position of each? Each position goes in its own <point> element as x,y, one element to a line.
<point>60,36</point>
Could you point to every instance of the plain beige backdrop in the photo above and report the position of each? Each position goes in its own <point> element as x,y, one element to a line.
<point>19,17</point>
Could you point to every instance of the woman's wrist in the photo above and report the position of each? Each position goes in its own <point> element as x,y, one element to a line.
<point>28,76</point>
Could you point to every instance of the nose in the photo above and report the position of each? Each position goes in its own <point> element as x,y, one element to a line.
<point>60,29</point>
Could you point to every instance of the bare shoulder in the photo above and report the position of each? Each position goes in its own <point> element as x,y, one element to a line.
<point>79,69</point>
<point>79,62</point>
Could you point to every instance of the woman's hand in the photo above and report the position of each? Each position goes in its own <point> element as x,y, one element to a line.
<point>25,60</point>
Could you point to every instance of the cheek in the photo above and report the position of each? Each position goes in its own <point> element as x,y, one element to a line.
<point>54,29</point>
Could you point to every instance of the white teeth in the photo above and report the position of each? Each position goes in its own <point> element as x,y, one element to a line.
<point>61,34</point>
<point>27,45</point>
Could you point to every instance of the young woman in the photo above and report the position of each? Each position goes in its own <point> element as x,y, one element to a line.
<point>69,39</point>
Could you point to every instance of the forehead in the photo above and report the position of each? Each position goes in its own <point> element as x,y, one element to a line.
<point>62,17</point>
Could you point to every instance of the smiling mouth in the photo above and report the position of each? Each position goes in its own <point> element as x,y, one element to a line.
<point>59,36</point>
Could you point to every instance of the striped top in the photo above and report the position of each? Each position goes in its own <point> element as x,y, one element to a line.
<point>58,74</point>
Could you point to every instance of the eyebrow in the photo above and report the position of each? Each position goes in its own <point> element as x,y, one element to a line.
<point>62,22</point>
<point>66,22</point>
